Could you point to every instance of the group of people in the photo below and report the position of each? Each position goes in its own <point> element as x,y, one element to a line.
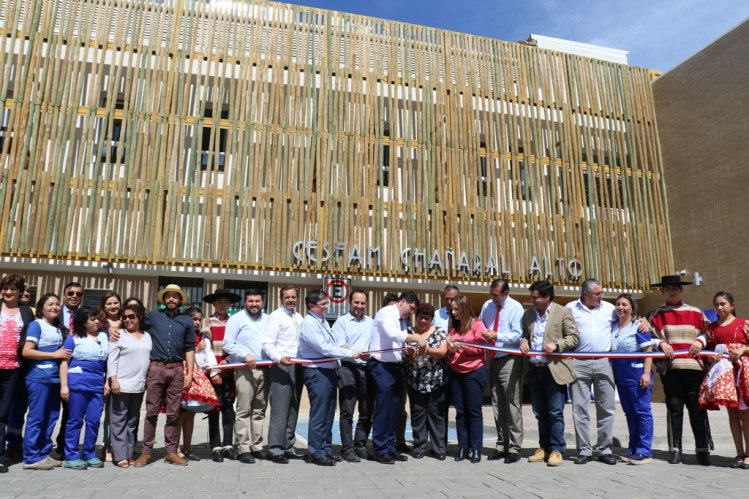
<point>63,361</point>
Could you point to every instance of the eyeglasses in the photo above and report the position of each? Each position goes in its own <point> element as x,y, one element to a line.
<point>322,304</point>
<point>74,293</point>
<point>129,317</point>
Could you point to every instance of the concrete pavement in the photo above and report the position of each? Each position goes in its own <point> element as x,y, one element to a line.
<point>413,479</point>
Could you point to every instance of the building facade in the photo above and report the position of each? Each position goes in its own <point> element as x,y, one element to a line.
<point>703,117</point>
<point>272,143</point>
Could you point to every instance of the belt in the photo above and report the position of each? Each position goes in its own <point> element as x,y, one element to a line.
<point>168,365</point>
<point>353,364</point>
<point>538,364</point>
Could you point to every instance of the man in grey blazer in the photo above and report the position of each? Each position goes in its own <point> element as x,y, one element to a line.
<point>550,328</point>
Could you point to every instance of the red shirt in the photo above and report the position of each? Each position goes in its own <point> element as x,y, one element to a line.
<point>470,359</point>
<point>725,335</point>
<point>10,336</point>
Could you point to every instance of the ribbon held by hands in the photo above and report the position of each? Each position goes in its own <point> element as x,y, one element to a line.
<point>587,355</point>
<point>295,360</point>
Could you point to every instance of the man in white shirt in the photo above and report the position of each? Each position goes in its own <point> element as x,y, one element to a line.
<point>354,330</point>
<point>386,374</point>
<point>442,316</point>
<point>593,318</point>
<point>243,341</point>
<point>281,344</point>
<point>502,316</point>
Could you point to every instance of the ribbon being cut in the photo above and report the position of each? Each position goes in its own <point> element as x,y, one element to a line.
<point>294,360</point>
<point>587,355</point>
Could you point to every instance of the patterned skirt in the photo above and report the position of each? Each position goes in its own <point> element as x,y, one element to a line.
<point>201,397</point>
<point>726,383</point>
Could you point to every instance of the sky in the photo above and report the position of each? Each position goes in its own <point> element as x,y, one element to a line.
<point>659,34</point>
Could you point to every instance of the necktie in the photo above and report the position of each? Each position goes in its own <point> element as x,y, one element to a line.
<point>71,313</point>
<point>495,327</point>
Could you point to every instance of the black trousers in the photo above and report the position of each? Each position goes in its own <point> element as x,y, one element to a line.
<point>354,389</point>
<point>428,420</point>
<point>682,388</point>
<point>225,393</point>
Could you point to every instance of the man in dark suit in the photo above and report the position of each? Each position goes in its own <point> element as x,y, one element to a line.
<point>549,328</point>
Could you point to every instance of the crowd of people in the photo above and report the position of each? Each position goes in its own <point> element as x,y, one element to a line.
<point>91,370</point>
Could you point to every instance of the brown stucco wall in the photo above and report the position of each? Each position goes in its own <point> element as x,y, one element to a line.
<point>702,108</point>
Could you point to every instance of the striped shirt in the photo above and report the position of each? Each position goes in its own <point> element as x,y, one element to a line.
<point>679,325</point>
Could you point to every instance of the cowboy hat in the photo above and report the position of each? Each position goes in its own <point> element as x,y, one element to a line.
<point>670,280</point>
<point>222,293</point>
<point>171,288</point>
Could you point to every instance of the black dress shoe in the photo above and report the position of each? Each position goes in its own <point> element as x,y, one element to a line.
<point>403,447</point>
<point>259,454</point>
<point>321,461</point>
<point>437,455</point>
<point>362,452</point>
<point>230,454</point>
<point>475,456</point>
<point>462,454</point>
<point>397,456</point>
<point>607,459</point>
<point>512,457</point>
<point>583,459</point>
<point>246,458</point>
<point>675,457</point>
<point>384,459</point>
<point>279,459</point>
<point>350,457</point>
<point>498,454</point>
<point>217,456</point>
<point>417,454</point>
<point>335,458</point>
<point>292,454</point>
<point>3,468</point>
<point>703,458</point>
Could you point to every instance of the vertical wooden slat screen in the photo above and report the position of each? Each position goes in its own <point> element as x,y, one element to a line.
<point>223,133</point>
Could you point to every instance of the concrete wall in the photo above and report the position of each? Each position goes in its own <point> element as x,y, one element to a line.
<point>702,108</point>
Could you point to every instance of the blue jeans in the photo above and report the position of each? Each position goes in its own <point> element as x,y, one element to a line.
<point>468,394</point>
<point>321,387</point>
<point>44,409</point>
<point>548,399</point>
<point>83,406</point>
<point>388,382</point>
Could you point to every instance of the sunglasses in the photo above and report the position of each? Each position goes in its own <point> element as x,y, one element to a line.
<point>74,293</point>
<point>129,317</point>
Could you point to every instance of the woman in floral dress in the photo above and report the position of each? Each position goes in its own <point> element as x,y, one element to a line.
<point>727,382</point>
<point>426,379</point>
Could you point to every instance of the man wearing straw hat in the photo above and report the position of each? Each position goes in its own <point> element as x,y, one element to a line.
<point>676,326</point>
<point>173,338</point>
<point>214,328</point>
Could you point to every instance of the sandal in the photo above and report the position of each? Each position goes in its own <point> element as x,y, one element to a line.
<point>744,464</point>
<point>123,464</point>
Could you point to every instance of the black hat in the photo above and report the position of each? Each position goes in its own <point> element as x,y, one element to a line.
<point>222,293</point>
<point>670,280</point>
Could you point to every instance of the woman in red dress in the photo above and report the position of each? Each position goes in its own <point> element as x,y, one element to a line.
<point>727,382</point>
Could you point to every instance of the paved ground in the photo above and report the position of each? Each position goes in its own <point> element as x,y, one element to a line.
<point>415,478</point>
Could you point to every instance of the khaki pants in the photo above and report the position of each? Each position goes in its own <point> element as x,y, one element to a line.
<point>252,399</point>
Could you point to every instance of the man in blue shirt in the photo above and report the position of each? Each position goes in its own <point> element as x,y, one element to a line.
<point>502,317</point>
<point>442,316</point>
<point>317,341</point>
<point>173,337</point>
<point>243,341</point>
<point>353,330</point>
